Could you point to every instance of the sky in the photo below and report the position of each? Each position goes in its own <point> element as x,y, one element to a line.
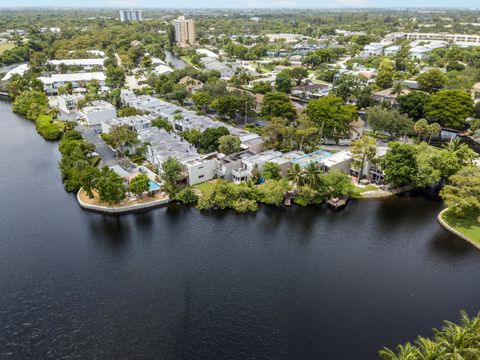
<point>244,3</point>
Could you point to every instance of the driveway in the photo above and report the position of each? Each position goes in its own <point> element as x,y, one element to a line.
<point>108,155</point>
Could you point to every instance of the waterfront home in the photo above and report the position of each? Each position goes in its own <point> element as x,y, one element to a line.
<point>326,160</point>
<point>53,82</point>
<point>162,69</point>
<point>248,164</point>
<point>201,168</point>
<point>285,161</point>
<point>371,168</point>
<point>386,96</point>
<point>98,111</point>
<point>226,164</point>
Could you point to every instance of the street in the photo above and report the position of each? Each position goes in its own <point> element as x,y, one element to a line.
<point>108,155</point>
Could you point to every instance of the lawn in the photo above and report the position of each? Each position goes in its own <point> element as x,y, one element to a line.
<point>468,226</point>
<point>362,189</point>
<point>187,60</point>
<point>206,188</point>
<point>4,47</point>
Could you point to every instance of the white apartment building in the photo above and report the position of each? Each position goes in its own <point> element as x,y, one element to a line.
<point>68,103</point>
<point>184,31</point>
<point>130,15</point>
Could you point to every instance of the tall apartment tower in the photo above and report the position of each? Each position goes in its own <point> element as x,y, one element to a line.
<point>130,15</point>
<point>184,31</point>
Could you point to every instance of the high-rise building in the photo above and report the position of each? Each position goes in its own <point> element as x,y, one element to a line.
<point>184,31</point>
<point>130,15</point>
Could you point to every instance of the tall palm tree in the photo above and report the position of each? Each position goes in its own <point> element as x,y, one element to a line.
<point>312,174</point>
<point>428,349</point>
<point>295,175</point>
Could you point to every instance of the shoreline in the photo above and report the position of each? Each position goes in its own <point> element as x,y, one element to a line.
<point>120,209</point>
<point>454,231</point>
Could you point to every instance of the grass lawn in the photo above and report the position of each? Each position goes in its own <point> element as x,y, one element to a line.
<point>4,47</point>
<point>362,189</point>
<point>187,60</point>
<point>205,188</point>
<point>468,226</point>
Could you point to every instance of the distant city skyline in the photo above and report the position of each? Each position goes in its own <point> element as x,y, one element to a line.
<point>245,4</point>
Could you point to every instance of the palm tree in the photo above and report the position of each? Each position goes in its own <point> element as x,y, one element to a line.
<point>404,352</point>
<point>295,175</point>
<point>398,89</point>
<point>453,146</point>
<point>312,174</point>
<point>428,349</point>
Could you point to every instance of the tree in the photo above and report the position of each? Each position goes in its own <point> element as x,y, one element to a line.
<point>209,141</point>
<point>171,172</point>
<point>421,128</point>
<point>139,184</point>
<point>201,99</point>
<point>278,104</point>
<point>338,184</point>
<point>452,341</point>
<point>298,74</point>
<point>413,104</point>
<point>295,175</point>
<point>330,115</point>
<point>463,193</point>
<point>31,104</point>
<point>230,105</point>
<point>450,108</point>
<point>283,82</point>
<point>262,87</point>
<point>389,121</point>
<point>110,185</point>
<point>187,196</point>
<point>384,78</point>
<point>363,149</point>
<point>115,77</point>
<point>433,129</point>
<point>312,174</point>
<point>229,144</point>
<point>271,171</point>
<point>162,124</point>
<point>399,164</point>
<point>432,80</point>
<point>121,136</point>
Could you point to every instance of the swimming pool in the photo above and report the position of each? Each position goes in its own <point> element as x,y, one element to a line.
<point>152,185</point>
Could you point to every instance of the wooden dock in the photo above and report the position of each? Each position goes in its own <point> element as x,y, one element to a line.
<point>337,203</point>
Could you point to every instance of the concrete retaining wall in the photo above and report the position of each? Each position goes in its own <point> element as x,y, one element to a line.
<point>452,230</point>
<point>121,209</point>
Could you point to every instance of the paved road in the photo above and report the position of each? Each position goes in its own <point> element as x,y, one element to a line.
<point>108,155</point>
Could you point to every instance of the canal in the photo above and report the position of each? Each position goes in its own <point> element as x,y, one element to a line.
<point>177,283</point>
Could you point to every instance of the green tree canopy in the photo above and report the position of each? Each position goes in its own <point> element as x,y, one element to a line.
<point>278,104</point>
<point>450,108</point>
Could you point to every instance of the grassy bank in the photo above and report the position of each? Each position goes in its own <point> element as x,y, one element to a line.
<point>468,226</point>
<point>7,46</point>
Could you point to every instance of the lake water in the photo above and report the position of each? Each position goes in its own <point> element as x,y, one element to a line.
<point>176,283</point>
<point>171,58</point>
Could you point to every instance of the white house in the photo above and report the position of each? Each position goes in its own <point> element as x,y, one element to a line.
<point>83,63</point>
<point>99,111</point>
<point>392,50</point>
<point>248,164</point>
<point>372,49</point>
<point>226,164</point>
<point>201,168</point>
<point>55,81</point>
<point>68,103</point>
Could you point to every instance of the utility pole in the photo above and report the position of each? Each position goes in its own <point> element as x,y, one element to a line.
<point>246,106</point>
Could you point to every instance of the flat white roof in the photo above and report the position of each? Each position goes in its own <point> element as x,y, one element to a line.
<point>79,62</point>
<point>20,70</point>
<point>76,77</point>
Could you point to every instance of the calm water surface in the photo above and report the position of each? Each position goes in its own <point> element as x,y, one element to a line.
<point>176,283</point>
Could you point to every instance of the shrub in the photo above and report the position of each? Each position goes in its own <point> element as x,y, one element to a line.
<point>245,205</point>
<point>47,128</point>
<point>187,196</point>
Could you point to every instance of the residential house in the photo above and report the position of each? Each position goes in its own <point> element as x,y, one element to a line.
<point>257,161</point>
<point>99,111</point>
<point>386,96</point>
